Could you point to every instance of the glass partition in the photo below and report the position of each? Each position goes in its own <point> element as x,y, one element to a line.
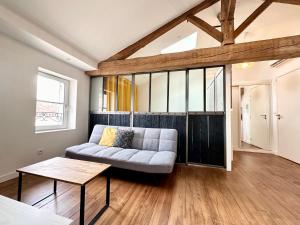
<point>196,92</point>
<point>110,94</point>
<point>141,94</point>
<point>124,93</point>
<point>160,92</point>
<point>177,91</point>
<point>159,86</point>
<point>214,89</point>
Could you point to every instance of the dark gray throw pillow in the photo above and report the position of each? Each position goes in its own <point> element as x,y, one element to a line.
<point>124,139</point>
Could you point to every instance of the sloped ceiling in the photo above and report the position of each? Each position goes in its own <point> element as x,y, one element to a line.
<point>100,28</point>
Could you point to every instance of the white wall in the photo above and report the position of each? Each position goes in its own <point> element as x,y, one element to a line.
<point>263,73</point>
<point>235,117</point>
<point>18,142</point>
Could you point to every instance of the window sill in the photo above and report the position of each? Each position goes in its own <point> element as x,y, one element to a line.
<point>55,130</point>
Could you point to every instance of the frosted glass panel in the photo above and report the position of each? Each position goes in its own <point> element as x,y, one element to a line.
<point>177,91</point>
<point>159,92</point>
<point>214,89</point>
<point>142,92</point>
<point>196,96</point>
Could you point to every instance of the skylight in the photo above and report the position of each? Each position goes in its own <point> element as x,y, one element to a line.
<point>185,44</point>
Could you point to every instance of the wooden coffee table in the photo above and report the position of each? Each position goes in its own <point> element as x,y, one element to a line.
<point>72,171</point>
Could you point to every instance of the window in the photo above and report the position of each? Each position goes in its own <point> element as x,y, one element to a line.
<point>52,100</point>
<point>159,93</point>
<point>124,93</point>
<point>196,92</point>
<point>110,94</point>
<point>214,89</point>
<point>177,91</point>
<point>141,94</point>
<point>187,43</point>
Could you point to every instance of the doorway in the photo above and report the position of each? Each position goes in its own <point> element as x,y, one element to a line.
<point>255,122</point>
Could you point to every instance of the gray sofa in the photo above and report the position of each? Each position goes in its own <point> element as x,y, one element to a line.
<point>153,150</point>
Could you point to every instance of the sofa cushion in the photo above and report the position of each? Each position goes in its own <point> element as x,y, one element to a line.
<point>124,138</point>
<point>108,137</point>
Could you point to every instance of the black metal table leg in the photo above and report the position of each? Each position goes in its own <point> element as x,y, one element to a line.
<point>94,220</point>
<point>107,188</point>
<point>55,186</point>
<point>82,203</point>
<point>20,186</point>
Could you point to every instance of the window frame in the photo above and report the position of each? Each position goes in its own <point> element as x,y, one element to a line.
<point>54,76</point>
<point>187,109</point>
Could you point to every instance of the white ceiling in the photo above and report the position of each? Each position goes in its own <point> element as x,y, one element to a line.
<point>101,28</point>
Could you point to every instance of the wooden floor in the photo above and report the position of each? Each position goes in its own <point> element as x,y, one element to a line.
<point>262,189</point>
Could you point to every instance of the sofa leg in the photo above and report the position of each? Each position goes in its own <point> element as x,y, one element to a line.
<point>155,179</point>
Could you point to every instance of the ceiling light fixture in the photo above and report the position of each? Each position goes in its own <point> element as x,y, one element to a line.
<point>245,65</point>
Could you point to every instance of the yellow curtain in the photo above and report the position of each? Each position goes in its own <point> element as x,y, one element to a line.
<point>124,94</point>
<point>111,88</point>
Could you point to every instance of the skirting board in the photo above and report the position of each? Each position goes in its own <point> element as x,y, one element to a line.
<point>8,176</point>
<point>256,150</point>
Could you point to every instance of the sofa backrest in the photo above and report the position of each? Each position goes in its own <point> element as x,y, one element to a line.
<point>152,139</point>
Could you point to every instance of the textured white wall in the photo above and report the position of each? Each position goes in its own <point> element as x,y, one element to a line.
<point>18,142</point>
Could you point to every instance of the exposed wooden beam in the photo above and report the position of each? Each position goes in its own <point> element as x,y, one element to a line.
<point>279,48</point>
<point>231,9</point>
<point>206,28</point>
<point>125,53</point>
<point>226,18</point>
<point>252,17</point>
<point>293,2</point>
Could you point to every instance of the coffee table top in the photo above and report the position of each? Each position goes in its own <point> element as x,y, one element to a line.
<point>17,213</point>
<point>66,170</point>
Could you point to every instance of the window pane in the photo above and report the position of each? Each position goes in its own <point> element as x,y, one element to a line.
<point>159,92</point>
<point>214,89</point>
<point>50,89</point>
<point>196,90</point>
<point>219,91</point>
<point>177,91</point>
<point>210,89</point>
<point>110,93</point>
<point>141,93</point>
<point>96,94</point>
<point>49,114</point>
<point>124,93</point>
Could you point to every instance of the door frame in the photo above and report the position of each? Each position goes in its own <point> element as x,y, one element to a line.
<point>271,130</point>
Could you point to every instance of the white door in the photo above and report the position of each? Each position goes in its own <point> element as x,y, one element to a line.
<point>288,92</point>
<point>260,116</point>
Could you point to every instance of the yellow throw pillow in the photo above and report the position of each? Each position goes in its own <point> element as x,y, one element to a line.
<point>108,137</point>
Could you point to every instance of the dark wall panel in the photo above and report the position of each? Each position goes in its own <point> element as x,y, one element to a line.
<point>206,139</point>
<point>216,154</point>
<point>119,120</point>
<point>148,121</point>
<point>97,119</point>
<point>198,138</point>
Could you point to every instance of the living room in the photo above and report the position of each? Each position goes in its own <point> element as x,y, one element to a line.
<point>185,117</point>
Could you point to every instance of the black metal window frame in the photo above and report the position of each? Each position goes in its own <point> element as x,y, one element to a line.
<point>187,72</point>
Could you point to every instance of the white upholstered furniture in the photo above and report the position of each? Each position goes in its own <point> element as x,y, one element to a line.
<point>153,150</point>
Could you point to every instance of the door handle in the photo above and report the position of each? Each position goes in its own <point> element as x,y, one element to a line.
<point>278,116</point>
<point>264,116</point>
